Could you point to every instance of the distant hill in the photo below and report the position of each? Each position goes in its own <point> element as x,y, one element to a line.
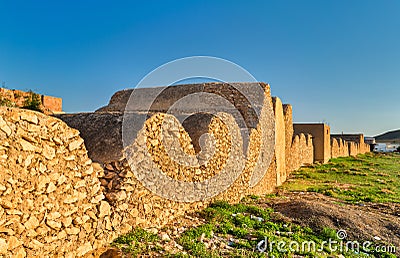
<point>389,137</point>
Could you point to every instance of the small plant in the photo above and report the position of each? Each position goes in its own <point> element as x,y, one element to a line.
<point>254,197</point>
<point>190,240</point>
<point>137,242</point>
<point>6,102</point>
<point>33,102</point>
<point>17,95</point>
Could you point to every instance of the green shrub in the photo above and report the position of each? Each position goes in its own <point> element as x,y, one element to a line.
<point>33,102</point>
<point>6,102</point>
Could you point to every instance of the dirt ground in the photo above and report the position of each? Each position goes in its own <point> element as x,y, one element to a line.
<point>378,223</point>
<point>375,222</point>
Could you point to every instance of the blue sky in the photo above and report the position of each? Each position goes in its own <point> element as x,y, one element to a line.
<point>334,61</point>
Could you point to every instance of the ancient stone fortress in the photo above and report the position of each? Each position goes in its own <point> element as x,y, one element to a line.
<point>16,98</point>
<point>69,184</point>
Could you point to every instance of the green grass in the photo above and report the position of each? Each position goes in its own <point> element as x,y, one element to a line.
<point>137,242</point>
<point>365,178</point>
<point>247,225</point>
<point>242,227</point>
<point>190,241</point>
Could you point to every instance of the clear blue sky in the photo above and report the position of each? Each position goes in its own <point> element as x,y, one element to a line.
<point>334,61</point>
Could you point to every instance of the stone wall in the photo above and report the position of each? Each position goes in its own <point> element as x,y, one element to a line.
<point>16,98</point>
<point>54,200</point>
<point>302,151</point>
<point>280,141</point>
<point>52,103</point>
<point>289,131</point>
<point>335,148</point>
<point>343,148</point>
<point>365,148</point>
<point>358,138</point>
<point>295,162</point>
<point>245,98</point>
<point>306,149</point>
<point>51,202</point>
<point>353,148</point>
<point>348,145</point>
<point>321,139</point>
<point>102,132</point>
<point>299,149</point>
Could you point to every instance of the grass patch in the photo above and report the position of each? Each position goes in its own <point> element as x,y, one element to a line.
<point>191,240</point>
<point>237,230</point>
<point>363,178</point>
<point>137,242</point>
<point>242,227</point>
<point>245,226</point>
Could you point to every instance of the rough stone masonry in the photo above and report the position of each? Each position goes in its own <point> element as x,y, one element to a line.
<point>55,201</point>
<point>51,201</point>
